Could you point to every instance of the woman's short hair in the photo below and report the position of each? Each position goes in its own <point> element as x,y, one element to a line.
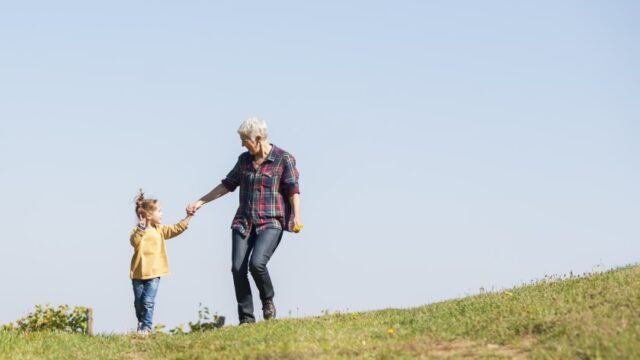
<point>253,127</point>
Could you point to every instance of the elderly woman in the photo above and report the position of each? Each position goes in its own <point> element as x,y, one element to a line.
<point>269,205</point>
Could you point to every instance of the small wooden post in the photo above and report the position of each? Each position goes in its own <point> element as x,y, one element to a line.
<point>90,321</point>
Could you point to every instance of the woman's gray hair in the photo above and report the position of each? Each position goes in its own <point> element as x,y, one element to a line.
<point>253,127</point>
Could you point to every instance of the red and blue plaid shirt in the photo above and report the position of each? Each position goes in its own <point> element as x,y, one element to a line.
<point>264,191</point>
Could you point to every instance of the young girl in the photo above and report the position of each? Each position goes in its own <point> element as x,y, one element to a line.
<point>149,261</point>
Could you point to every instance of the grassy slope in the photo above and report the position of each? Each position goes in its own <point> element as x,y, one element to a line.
<point>591,317</point>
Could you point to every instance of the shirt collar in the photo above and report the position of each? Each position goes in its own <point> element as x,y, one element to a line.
<point>272,153</point>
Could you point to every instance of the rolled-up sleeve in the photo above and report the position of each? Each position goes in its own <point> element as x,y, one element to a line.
<point>290,176</point>
<point>232,181</point>
<point>136,236</point>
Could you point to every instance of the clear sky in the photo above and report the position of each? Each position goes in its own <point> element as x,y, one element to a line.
<point>442,146</point>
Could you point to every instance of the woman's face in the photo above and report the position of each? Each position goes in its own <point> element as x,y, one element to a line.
<point>252,145</point>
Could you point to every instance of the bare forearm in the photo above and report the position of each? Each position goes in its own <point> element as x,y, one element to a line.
<point>214,194</point>
<point>294,200</point>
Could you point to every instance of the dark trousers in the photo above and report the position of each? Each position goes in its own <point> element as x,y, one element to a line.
<point>252,254</point>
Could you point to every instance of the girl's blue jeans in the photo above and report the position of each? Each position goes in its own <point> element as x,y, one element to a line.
<point>145,292</point>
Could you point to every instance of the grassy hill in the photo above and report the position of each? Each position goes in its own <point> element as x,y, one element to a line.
<point>590,317</point>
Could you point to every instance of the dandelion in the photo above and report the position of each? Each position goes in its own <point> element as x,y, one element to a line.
<point>354,316</point>
<point>508,293</point>
<point>297,228</point>
<point>391,331</point>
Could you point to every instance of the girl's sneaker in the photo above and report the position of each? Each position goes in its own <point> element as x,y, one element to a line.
<point>144,333</point>
<point>139,327</point>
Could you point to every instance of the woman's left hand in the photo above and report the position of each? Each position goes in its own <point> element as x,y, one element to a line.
<point>297,225</point>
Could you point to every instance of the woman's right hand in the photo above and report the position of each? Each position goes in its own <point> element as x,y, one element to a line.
<point>194,206</point>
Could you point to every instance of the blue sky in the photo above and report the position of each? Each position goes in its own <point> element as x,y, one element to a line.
<point>442,147</point>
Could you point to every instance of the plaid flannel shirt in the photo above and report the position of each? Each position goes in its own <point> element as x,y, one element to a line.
<point>264,191</point>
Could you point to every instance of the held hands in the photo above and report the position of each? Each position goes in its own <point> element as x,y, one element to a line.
<point>193,207</point>
<point>191,210</point>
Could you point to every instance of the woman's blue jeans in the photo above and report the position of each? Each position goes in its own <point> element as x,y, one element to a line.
<point>145,292</point>
<point>252,254</point>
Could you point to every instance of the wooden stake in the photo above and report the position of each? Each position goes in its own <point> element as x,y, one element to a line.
<point>90,321</point>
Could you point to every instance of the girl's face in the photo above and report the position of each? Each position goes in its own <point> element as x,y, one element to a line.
<point>156,216</point>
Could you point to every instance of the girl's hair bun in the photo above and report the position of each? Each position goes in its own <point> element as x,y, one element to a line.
<point>139,198</point>
<point>144,206</point>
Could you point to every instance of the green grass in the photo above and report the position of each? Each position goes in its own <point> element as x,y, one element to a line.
<point>592,317</point>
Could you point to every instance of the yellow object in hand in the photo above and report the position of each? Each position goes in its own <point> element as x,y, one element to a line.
<point>297,228</point>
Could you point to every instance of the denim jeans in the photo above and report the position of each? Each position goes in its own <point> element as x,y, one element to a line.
<point>145,292</point>
<point>252,254</point>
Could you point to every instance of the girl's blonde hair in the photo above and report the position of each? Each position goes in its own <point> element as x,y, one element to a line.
<point>144,207</point>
